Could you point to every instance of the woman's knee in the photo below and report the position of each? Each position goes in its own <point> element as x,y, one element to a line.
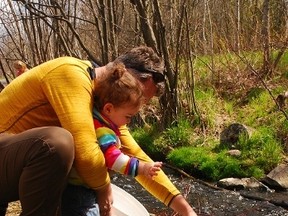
<point>59,137</point>
<point>60,140</point>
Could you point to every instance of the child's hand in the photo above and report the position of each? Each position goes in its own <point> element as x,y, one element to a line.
<point>150,169</point>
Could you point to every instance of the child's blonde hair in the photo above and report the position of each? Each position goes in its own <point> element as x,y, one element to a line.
<point>19,65</point>
<point>119,87</point>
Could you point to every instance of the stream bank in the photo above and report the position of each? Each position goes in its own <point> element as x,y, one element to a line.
<point>207,200</point>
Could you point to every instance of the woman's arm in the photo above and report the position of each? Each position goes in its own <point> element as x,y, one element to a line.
<point>160,186</point>
<point>181,206</point>
<point>70,92</point>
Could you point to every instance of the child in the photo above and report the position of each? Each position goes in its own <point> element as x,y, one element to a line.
<point>118,98</point>
<point>20,67</point>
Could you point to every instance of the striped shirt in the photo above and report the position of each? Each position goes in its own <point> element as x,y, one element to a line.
<point>107,134</point>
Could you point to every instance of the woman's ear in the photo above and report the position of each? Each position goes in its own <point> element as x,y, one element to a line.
<point>107,109</point>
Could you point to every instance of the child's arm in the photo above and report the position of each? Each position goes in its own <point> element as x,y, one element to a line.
<point>149,169</point>
<point>121,163</point>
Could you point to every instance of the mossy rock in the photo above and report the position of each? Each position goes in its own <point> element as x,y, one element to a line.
<point>230,136</point>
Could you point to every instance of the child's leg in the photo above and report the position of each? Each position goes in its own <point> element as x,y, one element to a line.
<point>79,200</point>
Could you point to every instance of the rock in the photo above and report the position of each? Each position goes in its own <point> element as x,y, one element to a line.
<point>234,152</point>
<point>240,184</point>
<point>230,136</point>
<point>231,183</point>
<point>278,177</point>
<point>281,100</point>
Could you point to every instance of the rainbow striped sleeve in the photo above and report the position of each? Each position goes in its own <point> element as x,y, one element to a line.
<point>115,159</point>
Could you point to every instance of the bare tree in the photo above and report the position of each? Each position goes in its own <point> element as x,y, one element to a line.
<point>266,39</point>
<point>178,30</point>
<point>238,24</point>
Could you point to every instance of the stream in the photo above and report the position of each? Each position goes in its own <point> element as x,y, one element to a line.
<point>206,199</point>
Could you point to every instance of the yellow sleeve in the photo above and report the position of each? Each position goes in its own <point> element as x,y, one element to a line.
<point>71,96</point>
<point>160,187</point>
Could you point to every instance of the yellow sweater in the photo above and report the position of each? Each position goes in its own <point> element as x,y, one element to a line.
<point>59,93</point>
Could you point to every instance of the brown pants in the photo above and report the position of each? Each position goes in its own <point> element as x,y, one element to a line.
<point>34,166</point>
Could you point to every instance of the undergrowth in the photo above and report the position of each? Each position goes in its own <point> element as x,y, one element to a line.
<point>240,98</point>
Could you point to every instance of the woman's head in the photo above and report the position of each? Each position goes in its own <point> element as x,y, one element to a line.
<point>118,88</point>
<point>147,67</point>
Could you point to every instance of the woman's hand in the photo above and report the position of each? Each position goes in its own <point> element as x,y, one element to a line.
<point>105,200</point>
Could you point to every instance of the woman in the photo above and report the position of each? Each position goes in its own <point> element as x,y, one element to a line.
<point>45,125</point>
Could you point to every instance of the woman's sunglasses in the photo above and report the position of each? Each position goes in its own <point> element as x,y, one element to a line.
<point>157,76</point>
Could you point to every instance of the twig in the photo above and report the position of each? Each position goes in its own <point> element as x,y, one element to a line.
<point>194,179</point>
<point>243,59</point>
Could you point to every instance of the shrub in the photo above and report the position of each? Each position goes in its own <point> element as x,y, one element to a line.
<point>178,135</point>
<point>263,149</point>
<point>146,139</point>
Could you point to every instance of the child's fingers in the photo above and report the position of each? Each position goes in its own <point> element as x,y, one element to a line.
<point>157,164</point>
<point>155,169</point>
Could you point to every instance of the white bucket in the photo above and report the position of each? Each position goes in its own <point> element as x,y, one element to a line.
<point>124,204</point>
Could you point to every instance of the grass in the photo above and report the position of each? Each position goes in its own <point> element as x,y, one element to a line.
<point>259,154</point>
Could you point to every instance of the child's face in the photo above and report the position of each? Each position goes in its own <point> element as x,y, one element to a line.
<point>120,115</point>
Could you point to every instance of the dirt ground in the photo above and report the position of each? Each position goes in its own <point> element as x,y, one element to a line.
<point>14,209</point>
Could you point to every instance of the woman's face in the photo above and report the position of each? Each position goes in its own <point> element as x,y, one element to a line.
<point>150,89</point>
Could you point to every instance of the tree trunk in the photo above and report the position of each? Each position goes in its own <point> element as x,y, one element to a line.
<point>266,70</point>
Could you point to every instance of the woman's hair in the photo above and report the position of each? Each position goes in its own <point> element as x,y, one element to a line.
<point>117,86</point>
<point>145,61</point>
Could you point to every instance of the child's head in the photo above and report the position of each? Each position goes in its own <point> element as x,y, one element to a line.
<point>19,65</point>
<point>118,94</point>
